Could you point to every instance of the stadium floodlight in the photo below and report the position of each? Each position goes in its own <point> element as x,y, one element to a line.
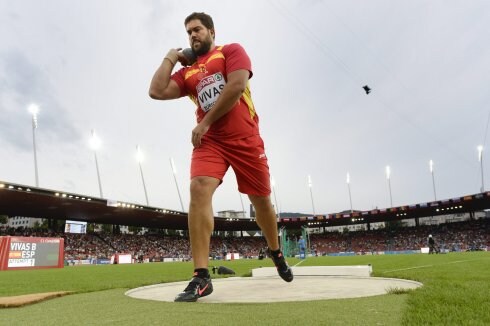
<point>94,141</point>
<point>139,154</point>
<point>95,144</point>
<point>388,175</point>
<point>480,159</point>
<point>348,188</point>
<point>174,172</point>
<point>310,185</point>
<point>139,158</point>
<point>431,168</point>
<point>34,110</point>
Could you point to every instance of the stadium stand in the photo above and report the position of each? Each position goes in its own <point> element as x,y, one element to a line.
<point>459,236</point>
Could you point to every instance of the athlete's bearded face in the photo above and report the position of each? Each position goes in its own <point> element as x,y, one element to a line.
<point>201,39</point>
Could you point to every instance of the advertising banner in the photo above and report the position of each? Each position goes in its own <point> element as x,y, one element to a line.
<point>31,252</point>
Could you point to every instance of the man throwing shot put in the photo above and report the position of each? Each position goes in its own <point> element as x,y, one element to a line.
<point>226,134</point>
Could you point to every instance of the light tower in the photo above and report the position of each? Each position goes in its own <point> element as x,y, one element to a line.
<point>95,145</point>
<point>139,158</point>
<point>34,110</point>
<point>273,184</point>
<point>348,187</point>
<point>310,185</point>
<point>431,167</point>
<point>174,171</point>
<point>480,159</point>
<point>388,174</point>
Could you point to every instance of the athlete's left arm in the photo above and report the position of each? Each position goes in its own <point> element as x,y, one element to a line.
<point>233,90</point>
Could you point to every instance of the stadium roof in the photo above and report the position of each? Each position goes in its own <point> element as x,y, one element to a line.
<point>21,200</point>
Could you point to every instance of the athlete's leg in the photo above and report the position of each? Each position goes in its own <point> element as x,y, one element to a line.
<point>266,219</point>
<point>248,160</point>
<point>201,219</point>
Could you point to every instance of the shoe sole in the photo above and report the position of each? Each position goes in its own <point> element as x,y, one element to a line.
<point>189,300</point>
<point>287,278</point>
<point>208,291</point>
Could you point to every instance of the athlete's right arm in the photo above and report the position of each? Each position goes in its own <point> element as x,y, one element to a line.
<point>162,87</point>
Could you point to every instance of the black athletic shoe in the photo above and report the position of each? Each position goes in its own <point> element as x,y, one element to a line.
<point>198,287</point>
<point>283,268</point>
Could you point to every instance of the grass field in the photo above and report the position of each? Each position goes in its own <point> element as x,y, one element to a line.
<point>456,291</point>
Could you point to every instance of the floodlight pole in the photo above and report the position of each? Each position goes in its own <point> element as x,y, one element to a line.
<point>275,198</point>
<point>144,185</point>
<point>174,172</point>
<point>431,165</point>
<point>95,144</point>
<point>480,158</point>
<point>243,207</point>
<point>348,188</point>
<point>310,185</point>
<point>388,173</point>
<point>33,109</point>
<point>139,157</point>
<point>98,174</point>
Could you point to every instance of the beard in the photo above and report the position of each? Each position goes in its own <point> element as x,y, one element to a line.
<point>205,46</point>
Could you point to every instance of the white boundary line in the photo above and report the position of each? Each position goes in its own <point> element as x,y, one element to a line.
<point>423,266</point>
<point>298,263</point>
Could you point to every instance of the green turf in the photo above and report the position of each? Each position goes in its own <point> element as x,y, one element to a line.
<point>456,291</point>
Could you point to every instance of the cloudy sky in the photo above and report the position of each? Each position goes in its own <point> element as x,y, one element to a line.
<point>88,65</point>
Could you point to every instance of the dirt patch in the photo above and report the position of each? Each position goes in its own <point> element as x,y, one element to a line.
<point>26,299</point>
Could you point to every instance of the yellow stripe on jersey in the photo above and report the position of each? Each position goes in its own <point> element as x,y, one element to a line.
<point>218,55</point>
<point>247,97</point>
<point>193,99</point>
<point>191,72</point>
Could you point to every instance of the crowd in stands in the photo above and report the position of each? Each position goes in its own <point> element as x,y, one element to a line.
<point>460,236</point>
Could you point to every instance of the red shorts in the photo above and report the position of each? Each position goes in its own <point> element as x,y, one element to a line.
<point>246,156</point>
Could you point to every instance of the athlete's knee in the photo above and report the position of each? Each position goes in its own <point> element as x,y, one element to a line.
<point>261,202</point>
<point>203,187</point>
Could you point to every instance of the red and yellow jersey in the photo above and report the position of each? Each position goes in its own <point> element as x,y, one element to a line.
<point>204,81</point>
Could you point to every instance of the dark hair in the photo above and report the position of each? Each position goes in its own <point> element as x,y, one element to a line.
<point>205,19</point>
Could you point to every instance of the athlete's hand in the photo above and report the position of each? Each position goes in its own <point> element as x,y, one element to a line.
<point>174,55</point>
<point>198,132</point>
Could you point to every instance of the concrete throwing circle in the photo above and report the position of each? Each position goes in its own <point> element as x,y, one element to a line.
<point>273,289</point>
